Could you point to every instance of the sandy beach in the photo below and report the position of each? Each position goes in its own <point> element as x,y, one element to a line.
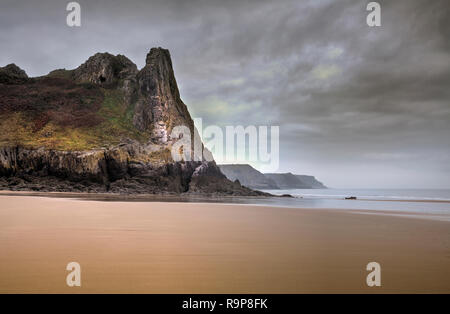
<point>158,247</point>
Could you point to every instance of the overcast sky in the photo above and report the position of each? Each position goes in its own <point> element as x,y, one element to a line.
<point>357,106</point>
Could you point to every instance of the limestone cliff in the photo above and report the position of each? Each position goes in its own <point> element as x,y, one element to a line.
<point>248,176</point>
<point>104,126</point>
<point>292,181</point>
<point>252,178</point>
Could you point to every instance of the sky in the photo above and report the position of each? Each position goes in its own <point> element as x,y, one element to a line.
<point>357,106</point>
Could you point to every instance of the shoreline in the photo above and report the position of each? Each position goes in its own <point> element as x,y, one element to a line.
<point>229,200</point>
<point>137,196</point>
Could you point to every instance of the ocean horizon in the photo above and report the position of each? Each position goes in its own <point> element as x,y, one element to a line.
<point>412,201</point>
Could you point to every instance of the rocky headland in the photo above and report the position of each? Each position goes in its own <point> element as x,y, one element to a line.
<point>252,178</point>
<point>102,127</point>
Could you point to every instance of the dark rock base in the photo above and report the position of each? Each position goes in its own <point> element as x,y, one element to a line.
<point>118,170</point>
<point>161,185</point>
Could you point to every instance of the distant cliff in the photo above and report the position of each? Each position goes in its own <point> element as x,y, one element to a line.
<point>248,176</point>
<point>311,181</point>
<point>292,181</point>
<point>102,127</point>
<point>252,178</point>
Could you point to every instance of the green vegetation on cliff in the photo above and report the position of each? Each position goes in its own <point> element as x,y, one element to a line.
<point>56,113</point>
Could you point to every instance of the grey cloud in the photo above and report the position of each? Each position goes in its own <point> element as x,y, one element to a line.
<point>380,102</point>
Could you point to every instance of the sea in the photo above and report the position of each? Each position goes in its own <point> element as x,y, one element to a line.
<point>435,202</point>
<point>419,203</point>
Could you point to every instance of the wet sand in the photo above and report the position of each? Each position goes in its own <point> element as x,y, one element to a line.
<point>158,247</point>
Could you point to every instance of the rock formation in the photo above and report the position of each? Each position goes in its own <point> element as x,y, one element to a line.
<point>311,181</point>
<point>102,127</point>
<point>292,181</point>
<point>252,178</point>
<point>11,74</point>
<point>248,176</point>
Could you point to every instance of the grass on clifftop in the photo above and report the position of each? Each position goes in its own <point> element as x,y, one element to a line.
<point>118,119</point>
<point>64,116</point>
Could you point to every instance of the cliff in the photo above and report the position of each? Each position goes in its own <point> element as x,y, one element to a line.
<point>292,181</point>
<point>311,181</point>
<point>104,126</point>
<point>248,176</point>
<point>252,178</point>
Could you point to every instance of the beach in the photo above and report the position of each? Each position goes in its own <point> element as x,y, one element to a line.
<point>176,247</point>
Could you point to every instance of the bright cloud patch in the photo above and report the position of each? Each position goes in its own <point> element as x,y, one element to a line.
<point>324,72</point>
